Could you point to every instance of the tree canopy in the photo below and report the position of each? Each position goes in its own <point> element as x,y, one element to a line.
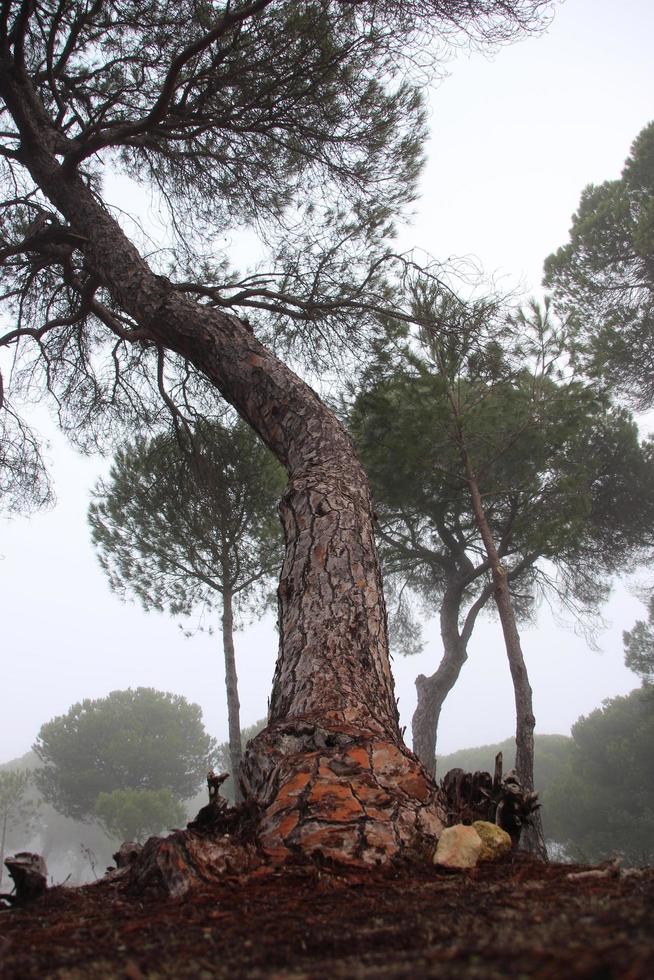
<point>639,645</point>
<point>604,801</point>
<point>498,476</point>
<point>133,739</point>
<point>564,475</point>
<point>303,122</point>
<point>603,279</point>
<point>180,527</point>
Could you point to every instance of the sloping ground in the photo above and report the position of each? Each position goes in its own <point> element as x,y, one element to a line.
<point>518,919</point>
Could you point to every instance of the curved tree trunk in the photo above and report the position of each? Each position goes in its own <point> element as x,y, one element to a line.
<point>330,770</point>
<point>231,688</point>
<point>432,691</point>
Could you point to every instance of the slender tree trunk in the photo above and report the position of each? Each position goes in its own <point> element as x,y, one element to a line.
<point>231,687</point>
<point>432,691</point>
<point>330,771</point>
<point>532,838</point>
<point>2,845</point>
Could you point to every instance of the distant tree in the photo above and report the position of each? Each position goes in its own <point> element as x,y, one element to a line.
<point>603,802</point>
<point>133,739</point>
<point>64,843</point>
<point>16,810</point>
<point>134,814</point>
<point>603,279</point>
<point>566,483</point>
<point>495,476</point>
<point>190,525</point>
<point>639,645</point>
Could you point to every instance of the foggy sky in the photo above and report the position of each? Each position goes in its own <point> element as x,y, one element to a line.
<point>515,140</point>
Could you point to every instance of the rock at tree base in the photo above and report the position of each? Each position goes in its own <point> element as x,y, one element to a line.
<point>496,843</point>
<point>458,847</point>
<point>463,846</point>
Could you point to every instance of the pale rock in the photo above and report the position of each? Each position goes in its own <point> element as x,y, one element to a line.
<point>458,847</point>
<point>495,841</point>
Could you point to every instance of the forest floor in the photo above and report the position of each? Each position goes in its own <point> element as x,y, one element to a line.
<point>514,919</point>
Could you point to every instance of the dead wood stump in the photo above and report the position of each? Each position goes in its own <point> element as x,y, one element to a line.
<point>29,875</point>
<point>497,799</point>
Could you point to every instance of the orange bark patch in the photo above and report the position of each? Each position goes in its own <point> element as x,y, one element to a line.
<point>359,756</point>
<point>287,824</point>
<point>288,793</point>
<point>370,794</point>
<point>295,785</point>
<point>277,854</point>
<point>319,554</point>
<point>325,771</point>
<point>415,785</point>
<point>335,801</point>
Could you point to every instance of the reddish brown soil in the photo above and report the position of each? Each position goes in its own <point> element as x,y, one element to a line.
<point>517,919</point>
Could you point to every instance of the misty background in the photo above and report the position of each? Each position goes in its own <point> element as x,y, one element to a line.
<point>515,139</point>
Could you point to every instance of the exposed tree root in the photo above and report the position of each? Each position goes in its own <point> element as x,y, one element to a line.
<point>328,794</point>
<point>187,860</point>
<point>325,794</point>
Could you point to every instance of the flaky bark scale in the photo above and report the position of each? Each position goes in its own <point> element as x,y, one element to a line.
<point>333,632</point>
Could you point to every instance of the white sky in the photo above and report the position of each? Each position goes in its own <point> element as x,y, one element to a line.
<point>515,139</point>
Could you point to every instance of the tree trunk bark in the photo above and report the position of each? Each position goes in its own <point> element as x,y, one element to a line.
<point>231,688</point>
<point>330,771</point>
<point>532,838</point>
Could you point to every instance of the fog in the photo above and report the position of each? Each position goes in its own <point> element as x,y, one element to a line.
<point>515,139</point>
